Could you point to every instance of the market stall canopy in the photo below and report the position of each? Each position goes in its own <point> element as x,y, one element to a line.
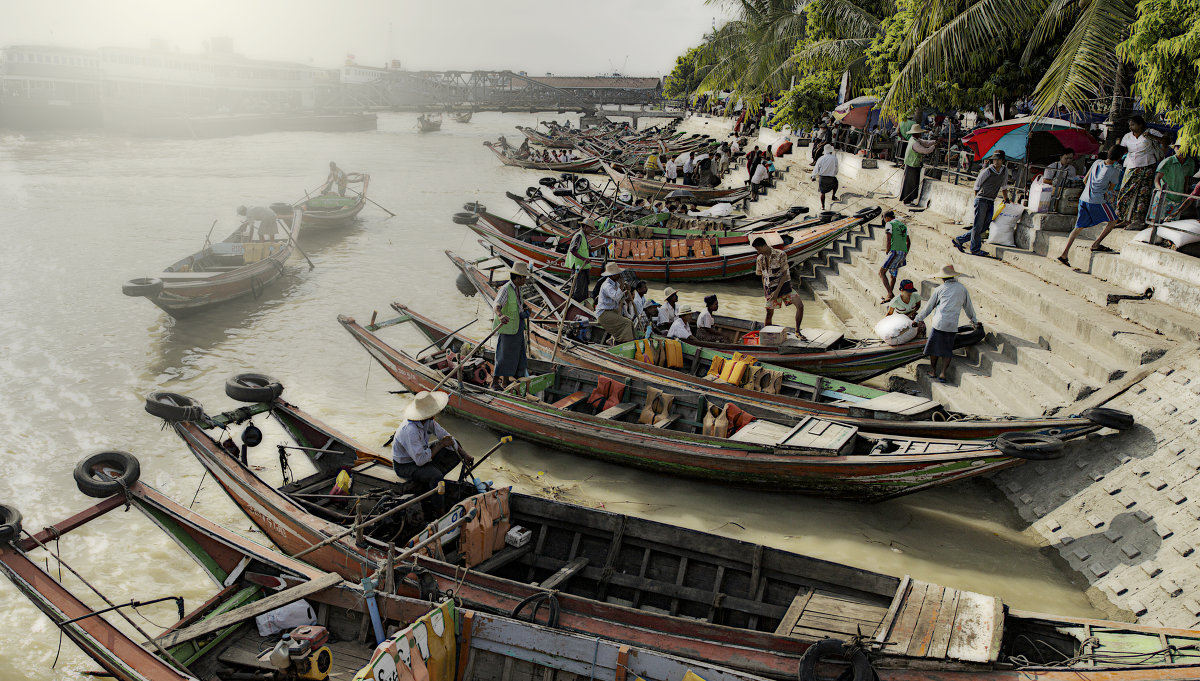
<point>1030,139</point>
<point>856,112</point>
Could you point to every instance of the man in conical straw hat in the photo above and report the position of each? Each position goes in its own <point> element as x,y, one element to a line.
<point>608,305</point>
<point>511,313</point>
<point>414,457</point>
<point>943,307</point>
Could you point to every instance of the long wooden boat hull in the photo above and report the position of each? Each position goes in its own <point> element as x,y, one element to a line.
<point>915,466</point>
<point>653,190</point>
<point>540,138</point>
<point>584,165</point>
<point>340,217</point>
<point>731,574</point>
<point>502,235</point>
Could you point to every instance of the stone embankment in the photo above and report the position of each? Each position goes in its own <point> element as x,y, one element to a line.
<point>1121,508</point>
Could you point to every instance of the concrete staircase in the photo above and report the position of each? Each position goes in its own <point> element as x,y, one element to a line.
<point>1048,344</point>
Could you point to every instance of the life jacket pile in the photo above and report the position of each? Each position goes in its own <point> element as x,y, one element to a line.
<point>657,249</point>
<point>479,538</point>
<point>725,421</point>
<point>743,371</point>
<point>666,352</point>
<point>426,650</point>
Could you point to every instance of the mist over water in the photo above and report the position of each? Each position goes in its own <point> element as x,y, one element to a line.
<point>84,213</point>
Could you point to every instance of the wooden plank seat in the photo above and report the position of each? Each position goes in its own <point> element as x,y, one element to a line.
<point>570,400</point>
<point>666,421</point>
<point>829,615</point>
<point>566,572</point>
<point>936,622</point>
<point>617,411</point>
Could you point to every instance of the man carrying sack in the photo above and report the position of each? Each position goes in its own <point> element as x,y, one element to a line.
<point>511,356</point>
<point>413,456</point>
<point>608,305</point>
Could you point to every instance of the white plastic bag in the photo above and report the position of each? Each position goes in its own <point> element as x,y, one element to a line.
<point>896,329</point>
<point>1003,229</point>
<point>718,211</point>
<point>285,617</point>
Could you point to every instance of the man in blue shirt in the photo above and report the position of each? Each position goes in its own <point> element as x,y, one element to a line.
<point>413,456</point>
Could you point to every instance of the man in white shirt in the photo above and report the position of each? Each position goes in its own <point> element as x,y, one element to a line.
<point>669,310</point>
<point>735,147</point>
<point>1060,171</point>
<point>947,301</point>
<point>759,178</point>
<point>670,170</point>
<point>679,329</point>
<point>825,173</point>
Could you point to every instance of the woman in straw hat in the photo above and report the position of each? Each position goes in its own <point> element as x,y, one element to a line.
<point>511,313</point>
<point>608,305</point>
<point>947,301</point>
<point>913,160</point>
<point>413,456</point>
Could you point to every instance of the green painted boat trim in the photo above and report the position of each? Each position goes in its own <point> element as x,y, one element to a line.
<point>247,595</point>
<point>185,540</point>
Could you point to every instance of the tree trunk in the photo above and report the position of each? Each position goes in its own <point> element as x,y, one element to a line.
<point>1121,107</point>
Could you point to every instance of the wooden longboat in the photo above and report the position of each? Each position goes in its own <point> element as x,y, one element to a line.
<point>330,209</point>
<point>654,190</point>
<point>872,410</point>
<point>235,267</point>
<point>583,165</point>
<point>807,454</point>
<point>518,242</point>
<point>219,638</point>
<point>538,137</point>
<point>725,601</point>
<point>598,207</point>
<point>820,351</point>
<point>429,123</point>
<point>463,116</point>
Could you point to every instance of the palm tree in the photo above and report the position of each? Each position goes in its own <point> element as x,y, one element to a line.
<point>953,36</point>
<point>751,54</point>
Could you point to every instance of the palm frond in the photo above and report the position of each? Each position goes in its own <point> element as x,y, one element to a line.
<point>1087,59</point>
<point>1055,15</point>
<point>832,53</point>
<point>852,20</point>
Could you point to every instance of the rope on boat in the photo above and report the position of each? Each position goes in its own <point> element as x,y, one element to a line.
<point>1089,654</point>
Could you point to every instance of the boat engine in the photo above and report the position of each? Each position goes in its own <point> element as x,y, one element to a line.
<point>411,518</point>
<point>308,655</point>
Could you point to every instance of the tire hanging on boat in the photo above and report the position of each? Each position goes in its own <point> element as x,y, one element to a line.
<point>1109,417</point>
<point>145,287</point>
<point>104,474</point>
<point>465,218</point>
<point>860,666</point>
<point>253,387</point>
<point>173,407</point>
<point>474,207</point>
<point>463,283</point>
<point>1030,446</point>
<point>10,524</point>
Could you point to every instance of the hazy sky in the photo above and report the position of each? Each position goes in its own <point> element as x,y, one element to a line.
<point>567,37</point>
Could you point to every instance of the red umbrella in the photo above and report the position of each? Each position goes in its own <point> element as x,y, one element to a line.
<point>1027,138</point>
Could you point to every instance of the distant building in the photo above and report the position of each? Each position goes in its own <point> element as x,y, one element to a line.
<point>49,87</point>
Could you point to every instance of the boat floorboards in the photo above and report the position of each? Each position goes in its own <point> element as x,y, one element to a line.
<point>348,656</point>
<point>825,615</point>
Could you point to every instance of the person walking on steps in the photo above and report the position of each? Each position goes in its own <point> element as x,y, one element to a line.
<point>772,265</point>
<point>895,249</point>
<point>414,457</point>
<point>992,180</point>
<point>947,301</point>
<point>914,155</point>
<point>825,173</point>
<point>1096,202</point>
<point>512,361</point>
<point>608,305</point>
<point>1141,159</point>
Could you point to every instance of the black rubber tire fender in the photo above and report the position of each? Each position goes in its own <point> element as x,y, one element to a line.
<point>869,213</point>
<point>104,474</point>
<point>253,387</point>
<point>143,287</point>
<point>1109,417</point>
<point>173,407</point>
<point>832,647</point>
<point>533,192</point>
<point>465,218</point>
<point>10,524</point>
<point>563,191</point>
<point>1030,446</point>
<point>582,186</point>
<point>474,207</point>
<point>463,283</point>
<point>548,181</point>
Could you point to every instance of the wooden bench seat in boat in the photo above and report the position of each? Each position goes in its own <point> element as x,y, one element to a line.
<point>894,407</point>
<point>828,615</point>
<point>939,623</point>
<point>570,400</point>
<point>617,411</point>
<point>811,433</point>
<point>815,340</point>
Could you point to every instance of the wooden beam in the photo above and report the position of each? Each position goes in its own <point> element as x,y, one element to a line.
<point>568,571</point>
<point>506,556</point>
<point>794,611</point>
<point>249,610</point>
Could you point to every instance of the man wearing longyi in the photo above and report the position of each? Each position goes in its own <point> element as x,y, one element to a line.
<point>414,457</point>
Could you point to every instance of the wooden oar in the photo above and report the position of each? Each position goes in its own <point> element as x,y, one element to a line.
<point>295,221</point>
<point>562,321</point>
<point>467,471</point>
<point>440,489</point>
<point>390,213</point>
<point>443,338</point>
<point>469,355</point>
